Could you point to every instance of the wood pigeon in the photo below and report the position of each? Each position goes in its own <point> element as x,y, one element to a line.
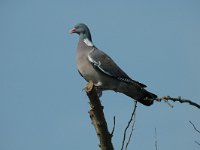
<point>96,66</point>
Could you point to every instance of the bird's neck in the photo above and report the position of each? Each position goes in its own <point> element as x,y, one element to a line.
<point>86,35</point>
<point>86,38</point>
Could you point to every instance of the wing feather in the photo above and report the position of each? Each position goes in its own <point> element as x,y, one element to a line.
<point>105,64</point>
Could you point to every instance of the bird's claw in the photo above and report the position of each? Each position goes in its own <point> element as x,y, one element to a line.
<point>88,87</point>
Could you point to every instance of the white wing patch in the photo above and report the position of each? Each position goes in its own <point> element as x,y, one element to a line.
<point>88,42</point>
<point>92,61</point>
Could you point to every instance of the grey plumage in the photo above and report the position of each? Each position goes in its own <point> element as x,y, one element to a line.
<point>95,65</point>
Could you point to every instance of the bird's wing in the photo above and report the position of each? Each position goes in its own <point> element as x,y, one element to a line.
<point>105,64</point>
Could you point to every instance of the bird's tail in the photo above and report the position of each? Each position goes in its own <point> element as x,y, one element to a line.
<point>136,92</point>
<point>147,98</point>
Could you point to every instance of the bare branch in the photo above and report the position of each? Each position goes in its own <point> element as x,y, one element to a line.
<point>194,127</point>
<point>98,119</point>
<point>156,142</point>
<point>195,130</point>
<point>179,99</point>
<point>197,143</point>
<point>131,119</point>
<point>100,124</point>
<point>132,127</point>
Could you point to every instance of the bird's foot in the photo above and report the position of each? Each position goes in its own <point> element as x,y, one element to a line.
<point>88,87</point>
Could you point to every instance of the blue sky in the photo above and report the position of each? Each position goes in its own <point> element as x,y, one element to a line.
<point>42,105</point>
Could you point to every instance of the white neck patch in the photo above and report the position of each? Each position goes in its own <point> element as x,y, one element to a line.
<point>88,42</point>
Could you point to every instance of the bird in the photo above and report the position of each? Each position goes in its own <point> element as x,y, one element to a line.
<point>95,65</point>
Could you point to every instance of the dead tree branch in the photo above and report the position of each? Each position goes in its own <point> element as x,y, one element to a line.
<point>156,141</point>
<point>194,126</point>
<point>179,99</point>
<point>197,143</point>
<point>98,120</point>
<point>195,130</point>
<point>132,127</point>
<point>128,125</point>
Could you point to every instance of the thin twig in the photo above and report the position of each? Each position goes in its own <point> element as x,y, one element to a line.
<point>113,130</point>
<point>194,127</point>
<point>133,113</point>
<point>132,127</point>
<point>195,130</point>
<point>156,142</point>
<point>178,99</point>
<point>169,104</point>
<point>197,143</point>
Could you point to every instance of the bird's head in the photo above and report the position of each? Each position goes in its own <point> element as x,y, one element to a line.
<point>82,30</point>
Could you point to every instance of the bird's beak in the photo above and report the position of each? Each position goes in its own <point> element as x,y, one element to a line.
<point>73,30</point>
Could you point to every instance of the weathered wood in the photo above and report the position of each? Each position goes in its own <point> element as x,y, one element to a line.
<point>98,120</point>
